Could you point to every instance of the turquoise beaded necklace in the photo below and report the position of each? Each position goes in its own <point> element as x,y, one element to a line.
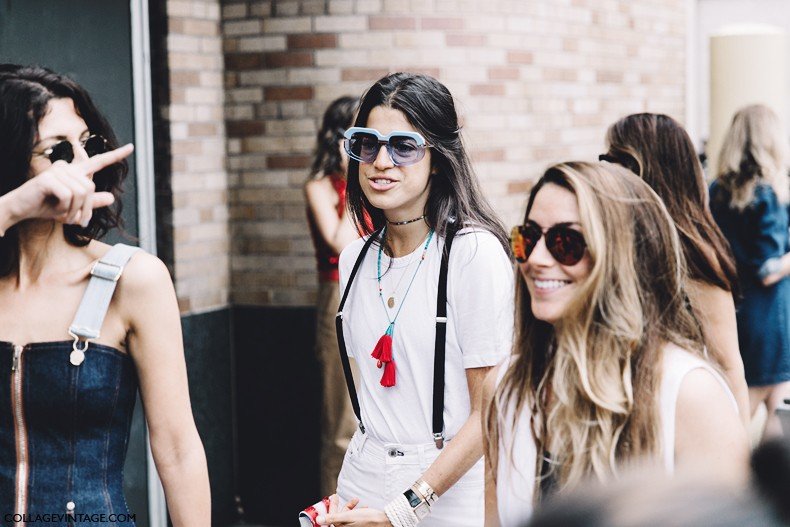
<point>383,350</point>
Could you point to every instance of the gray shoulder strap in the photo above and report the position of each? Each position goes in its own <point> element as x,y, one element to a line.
<point>104,277</point>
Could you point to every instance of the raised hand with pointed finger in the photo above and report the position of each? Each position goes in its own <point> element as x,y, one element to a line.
<point>63,192</point>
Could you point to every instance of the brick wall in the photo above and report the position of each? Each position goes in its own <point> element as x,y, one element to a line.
<point>535,81</point>
<point>192,180</point>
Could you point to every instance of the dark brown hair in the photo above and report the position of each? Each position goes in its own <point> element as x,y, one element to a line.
<point>658,149</point>
<point>25,93</point>
<point>454,189</point>
<point>337,117</point>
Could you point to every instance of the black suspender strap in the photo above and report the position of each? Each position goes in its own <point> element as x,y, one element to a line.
<point>439,344</point>
<point>341,340</point>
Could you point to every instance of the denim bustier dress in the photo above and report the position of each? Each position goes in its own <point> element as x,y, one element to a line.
<point>64,429</point>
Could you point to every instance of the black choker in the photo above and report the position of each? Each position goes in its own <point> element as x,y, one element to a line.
<point>405,222</point>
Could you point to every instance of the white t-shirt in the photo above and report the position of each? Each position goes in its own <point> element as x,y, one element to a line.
<point>516,466</point>
<point>479,330</point>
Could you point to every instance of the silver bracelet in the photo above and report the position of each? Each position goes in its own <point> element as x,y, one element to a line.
<point>426,491</point>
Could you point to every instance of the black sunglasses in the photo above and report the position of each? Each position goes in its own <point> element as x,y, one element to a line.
<point>64,150</point>
<point>566,245</point>
<point>624,160</point>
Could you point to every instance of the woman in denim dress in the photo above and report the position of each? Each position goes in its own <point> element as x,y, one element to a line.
<point>66,401</point>
<point>749,201</point>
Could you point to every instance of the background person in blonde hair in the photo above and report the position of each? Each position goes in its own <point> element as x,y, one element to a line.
<point>656,148</point>
<point>608,368</point>
<point>750,203</point>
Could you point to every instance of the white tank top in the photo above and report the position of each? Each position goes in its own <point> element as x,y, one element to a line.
<point>517,451</point>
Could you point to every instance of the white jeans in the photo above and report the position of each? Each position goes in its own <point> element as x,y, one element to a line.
<point>376,473</point>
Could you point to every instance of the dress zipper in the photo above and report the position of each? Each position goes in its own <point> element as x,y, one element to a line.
<point>20,431</point>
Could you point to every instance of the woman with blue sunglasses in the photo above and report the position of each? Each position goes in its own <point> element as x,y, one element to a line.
<point>83,323</point>
<point>424,321</point>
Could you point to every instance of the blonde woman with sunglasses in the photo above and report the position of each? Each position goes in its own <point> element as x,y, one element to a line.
<point>422,357</point>
<point>608,368</point>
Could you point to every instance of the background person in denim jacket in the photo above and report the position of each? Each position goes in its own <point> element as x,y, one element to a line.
<point>749,201</point>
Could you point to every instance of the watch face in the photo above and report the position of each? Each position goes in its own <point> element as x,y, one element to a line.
<point>414,500</point>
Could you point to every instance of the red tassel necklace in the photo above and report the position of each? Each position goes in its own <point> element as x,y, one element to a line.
<point>383,350</point>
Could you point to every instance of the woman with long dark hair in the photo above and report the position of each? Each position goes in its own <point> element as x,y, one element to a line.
<point>332,230</point>
<point>657,148</point>
<point>72,353</point>
<point>750,200</point>
<point>424,317</point>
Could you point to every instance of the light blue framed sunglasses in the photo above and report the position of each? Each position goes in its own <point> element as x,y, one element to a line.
<point>404,148</point>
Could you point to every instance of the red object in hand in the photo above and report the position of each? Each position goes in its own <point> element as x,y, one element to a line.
<point>307,518</point>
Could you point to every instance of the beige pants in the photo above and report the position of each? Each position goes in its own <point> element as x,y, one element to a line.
<point>338,421</point>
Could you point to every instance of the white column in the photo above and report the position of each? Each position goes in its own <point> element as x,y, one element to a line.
<point>748,65</point>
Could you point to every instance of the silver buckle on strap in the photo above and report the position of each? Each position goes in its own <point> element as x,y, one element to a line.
<point>106,270</point>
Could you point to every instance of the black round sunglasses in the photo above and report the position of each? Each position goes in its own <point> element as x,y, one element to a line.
<point>64,150</point>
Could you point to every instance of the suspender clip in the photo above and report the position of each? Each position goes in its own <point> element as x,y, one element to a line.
<point>439,440</point>
<point>361,427</point>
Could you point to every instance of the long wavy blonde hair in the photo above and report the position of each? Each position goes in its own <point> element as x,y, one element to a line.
<point>590,383</point>
<point>755,150</point>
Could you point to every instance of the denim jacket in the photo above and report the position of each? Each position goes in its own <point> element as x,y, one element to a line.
<point>759,238</point>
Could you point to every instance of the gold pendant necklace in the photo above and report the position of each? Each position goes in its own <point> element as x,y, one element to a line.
<point>391,299</point>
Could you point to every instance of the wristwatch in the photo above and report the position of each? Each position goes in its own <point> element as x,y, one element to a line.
<point>417,503</point>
